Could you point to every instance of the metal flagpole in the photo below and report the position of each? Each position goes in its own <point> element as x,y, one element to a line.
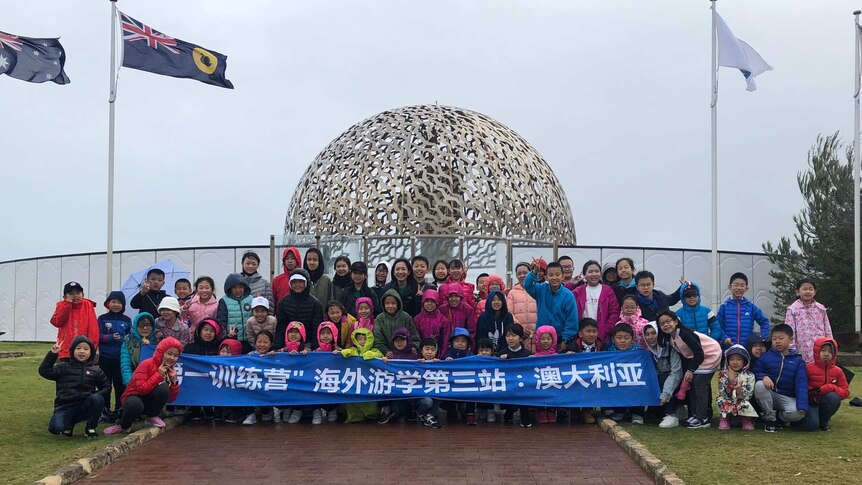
<point>857,292</point>
<point>716,292</point>
<point>111,98</point>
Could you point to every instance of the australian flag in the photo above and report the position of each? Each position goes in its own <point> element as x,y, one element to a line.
<point>32,60</point>
<point>147,49</point>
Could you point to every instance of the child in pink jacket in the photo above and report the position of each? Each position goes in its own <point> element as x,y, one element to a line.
<point>808,319</point>
<point>598,301</point>
<point>430,321</point>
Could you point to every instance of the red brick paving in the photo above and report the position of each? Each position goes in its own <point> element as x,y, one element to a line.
<point>383,454</point>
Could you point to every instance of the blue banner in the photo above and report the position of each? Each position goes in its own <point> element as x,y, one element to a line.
<point>566,380</point>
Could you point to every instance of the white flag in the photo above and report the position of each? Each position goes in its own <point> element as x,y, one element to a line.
<point>734,52</point>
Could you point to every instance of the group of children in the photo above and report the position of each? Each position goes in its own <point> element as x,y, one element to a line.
<point>548,311</point>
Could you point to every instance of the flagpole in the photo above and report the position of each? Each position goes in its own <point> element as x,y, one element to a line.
<point>714,162</point>
<point>857,156</point>
<point>111,116</point>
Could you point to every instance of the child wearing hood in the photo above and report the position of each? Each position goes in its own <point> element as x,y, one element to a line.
<point>113,327</point>
<point>381,278</point>
<point>808,319</point>
<point>73,316</point>
<point>327,341</point>
<point>206,342</point>
<point>459,347</point>
<point>401,350</point>
<point>456,312</point>
<point>234,307</point>
<point>363,346</point>
<point>546,344</point>
<point>668,366</point>
<point>696,316</point>
<point>321,286</point>
<point>630,313</point>
<point>827,385</point>
<point>496,318</point>
<point>82,388</point>
<point>364,319</point>
<point>735,389</point>
<point>430,321</point>
<point>336,314</point>
<point>392,318</point>
<point>294,343</point>
<point>458,274</point>
<point>492,283</point>
<point>281,283</point>
<point>141,333</point>
<point>153,385</point>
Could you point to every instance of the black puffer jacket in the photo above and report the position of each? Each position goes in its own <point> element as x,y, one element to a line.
<point>298,307</point>
<point>76,381</point>
<point>199,346</point>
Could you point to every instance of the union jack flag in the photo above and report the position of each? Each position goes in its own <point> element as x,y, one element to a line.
<point>11,41</point>
<point>134,31</point>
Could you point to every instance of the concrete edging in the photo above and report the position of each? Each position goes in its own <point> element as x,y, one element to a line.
<point>113,452</point>
<point>647,461</point>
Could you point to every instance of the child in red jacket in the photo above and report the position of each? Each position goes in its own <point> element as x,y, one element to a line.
<point>827,385</point>
<point>74,316</point>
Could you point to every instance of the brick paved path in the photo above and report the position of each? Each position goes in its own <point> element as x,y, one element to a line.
<point>203,453</point>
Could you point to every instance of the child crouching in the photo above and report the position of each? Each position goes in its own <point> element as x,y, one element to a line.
<point>363,346</point>
<point>735,389</point>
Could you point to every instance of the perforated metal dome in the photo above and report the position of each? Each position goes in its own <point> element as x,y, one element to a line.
<point>430,170</point>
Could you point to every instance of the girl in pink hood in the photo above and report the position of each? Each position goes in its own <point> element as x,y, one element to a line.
<point>456,312</point>
<point>630,313</point>
<point>327,341</point>
<point>294,339</point>
<point>546,344</point>
<point>430,321</point>
<point>364,319</point>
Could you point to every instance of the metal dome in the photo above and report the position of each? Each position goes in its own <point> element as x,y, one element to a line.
<point>430,170</point>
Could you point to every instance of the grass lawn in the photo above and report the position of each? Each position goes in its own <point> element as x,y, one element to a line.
<point>702,456</point>
<point>27,451</point>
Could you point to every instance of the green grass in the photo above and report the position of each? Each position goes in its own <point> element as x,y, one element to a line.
<point>27,451</point>
<point>704,456</point>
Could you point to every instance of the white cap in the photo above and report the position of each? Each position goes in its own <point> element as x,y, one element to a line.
<point>297,277</point>
<point>170,303</point>
<point>260,301</point>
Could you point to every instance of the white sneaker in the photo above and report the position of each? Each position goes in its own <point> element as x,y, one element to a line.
<point>637,419</point>
<point>332,416</point>
<point>276,415</point>
<point>491,416</point>
<point>669,421</point>
<point>316,417</point>
<point>295,416</point>
<point>617,416</point>
<point>250,420</point>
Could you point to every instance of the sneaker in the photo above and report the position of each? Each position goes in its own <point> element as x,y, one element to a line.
<point>383,417</point>
<point>295,416</point>
<point>332,416</point>
<point>697,424</point>
<point>747,423</point>
<point>491,416</point>
<point>156,421</point>
<point>91,433</point>
<point>116,429</point>
<point>825,427</point>
<point>588,417</point>
<point>250,420</point>
<point>276,415</point>
<point>689,420</point>
<point>471,419</point>
<point>108,416</point>
<point>637,419</point>
<point>266,417</point>
<point>430,421</point>
<point>211,415</point>
<point>526,421</point>
<point>68,432</point>
<point>669,421</point>
<point>724,424</point>
<point>771,427</point>
<point>618,416</point>
<point>233,418</point>
<point>317,417</point>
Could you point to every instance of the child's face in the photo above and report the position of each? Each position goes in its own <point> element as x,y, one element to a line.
<point>205,291</point>
<point>182,289</point>
<point>156,282</point>
<point>400,343</point>
<point>735,362</point>
<point>593,275</point>
<point>480,283</point>
<point>296,286</point>
<point>494,285</point>
<point>826,354</point>
<point>513,340</point>
<point>260,313</point>
<point>342,268</point>
<point>293,335</point>
<point>171,356</point>
<point>401,271</point>
<point>589,335</point>
<point>738,287</point>
<point>262,343</point>
<point>208,333</point>
<point>624,270</point>
<point>429,352</point>
<point>554,277</point>
<point>390,305</point>
<point>145,327</point>
<point>360,339</point>
<point>430,305</point>
<point>454,300</point>
<point>364,310</point>
<point>420,269</point>
<point>82,352</point>
<point>312,261</point>
<point>334,314</point>
<point>650,336</point>
<point>289,262</point>
<point>249,265</point>
<point>780,341</point>
<point>238,290</point>
<point>75,295</point>
<point>622,340</point>
<point>806,292</point>
<point>224,350</point>
<point>546,341</point>
<point>115,306</point>
<point>521,273</point>
<point>645,287</point>
<point>325,336</point>
<point>441,272</point>
<point>691,300</point>
<point>357,278</point>
<point>497,303</point>
<point>486,351</point>
<point>380,274</point>
<point>758,349</point>
<point>667,324</point>
<point>629,307</point>
<point>611,276</point>
<point>168,315</point>
<point>457,274</point>
<point>460,342</point>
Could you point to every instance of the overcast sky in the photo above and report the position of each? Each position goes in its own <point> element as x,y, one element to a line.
<point>613,94</point>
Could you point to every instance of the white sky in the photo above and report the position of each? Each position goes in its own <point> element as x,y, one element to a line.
<point>613,94</point>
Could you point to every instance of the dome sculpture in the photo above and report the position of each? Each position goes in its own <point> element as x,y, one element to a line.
<point>430,170</point>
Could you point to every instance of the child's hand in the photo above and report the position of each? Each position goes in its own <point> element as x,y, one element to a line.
<point>232,333</point>
<point>271,352</point>
<point>689,375</point>
<point>304,352</point>
<point>336,352</point>
<point>421,361</point>
<point>163,370</point>
<point>67,298</point>
<point>563,346</point>
<point>504,356</point>
<point>768,384</point>
<point>578,278</point>
<point>293,352</point>
<point>172,374</point>
<point>683,281</point>
<point>116,337</point>
<point>389,355</point>
<point>448,359</point>
<point>55,349</point>
<point>662,402</point>
<point>145,341</point>
<point>160,335</point>
<point>728,342</point>
<point>385,360</point>
<point>145,288</point>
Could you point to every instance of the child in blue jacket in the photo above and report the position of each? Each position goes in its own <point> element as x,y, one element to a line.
<point>696,316</point>
<point>782,381</point>
<point>737,314</point>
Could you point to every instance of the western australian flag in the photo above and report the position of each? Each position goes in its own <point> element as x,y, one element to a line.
<point>147,49</point>
<point>32,60</point>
